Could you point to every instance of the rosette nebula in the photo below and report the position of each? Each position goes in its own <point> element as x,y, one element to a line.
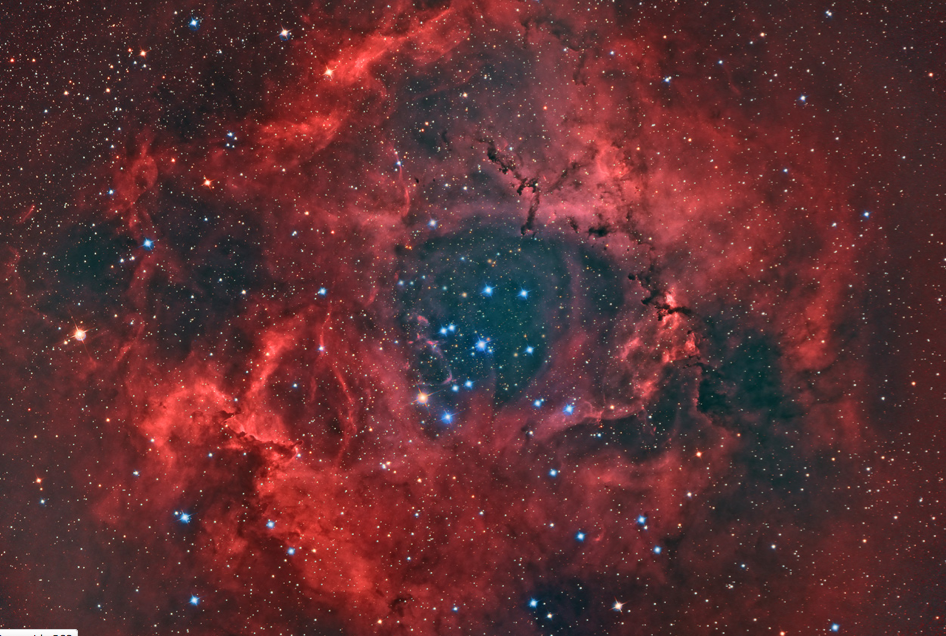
<point>512,317</point>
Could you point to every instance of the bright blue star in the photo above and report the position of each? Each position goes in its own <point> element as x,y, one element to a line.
<point>641,520</point>
<point>194,23</point>
<point>533,603</point>
<point>185,518</point>
<point>468,384</point>
<point>432,222</point>
<point>148,244</point>
<point>481,344</point>
<point>270,524</point>
<point>443,331</point>
<point>451,328</point>
<point>553,472</point>
<point>523,293</point>
<point>580,536</point>
<point>447,418</point>
<point>530,349</point>
<point>455,388</point>
<point>291,551</point>
<point>322,291</point>
<point>488,290</point>
<point>658,549</point>
<point>835,627</point>
<point>537,403</point>
<point>866,214</point>
<point>194,600</point>
<point>569,409</point>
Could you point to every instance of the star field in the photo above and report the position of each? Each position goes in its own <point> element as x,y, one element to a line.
<point>504,317</point>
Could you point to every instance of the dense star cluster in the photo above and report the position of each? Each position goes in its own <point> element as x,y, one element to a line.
<point>526,317</point>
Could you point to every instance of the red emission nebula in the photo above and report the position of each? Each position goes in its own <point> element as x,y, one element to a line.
<point>488,317</point>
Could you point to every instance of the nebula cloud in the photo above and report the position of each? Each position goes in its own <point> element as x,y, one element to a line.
<point>496,317</point>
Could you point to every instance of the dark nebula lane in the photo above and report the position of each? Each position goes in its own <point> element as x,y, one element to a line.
<point>502,317</point>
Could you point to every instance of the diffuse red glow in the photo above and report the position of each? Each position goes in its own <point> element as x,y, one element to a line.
<point>268,365</point>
